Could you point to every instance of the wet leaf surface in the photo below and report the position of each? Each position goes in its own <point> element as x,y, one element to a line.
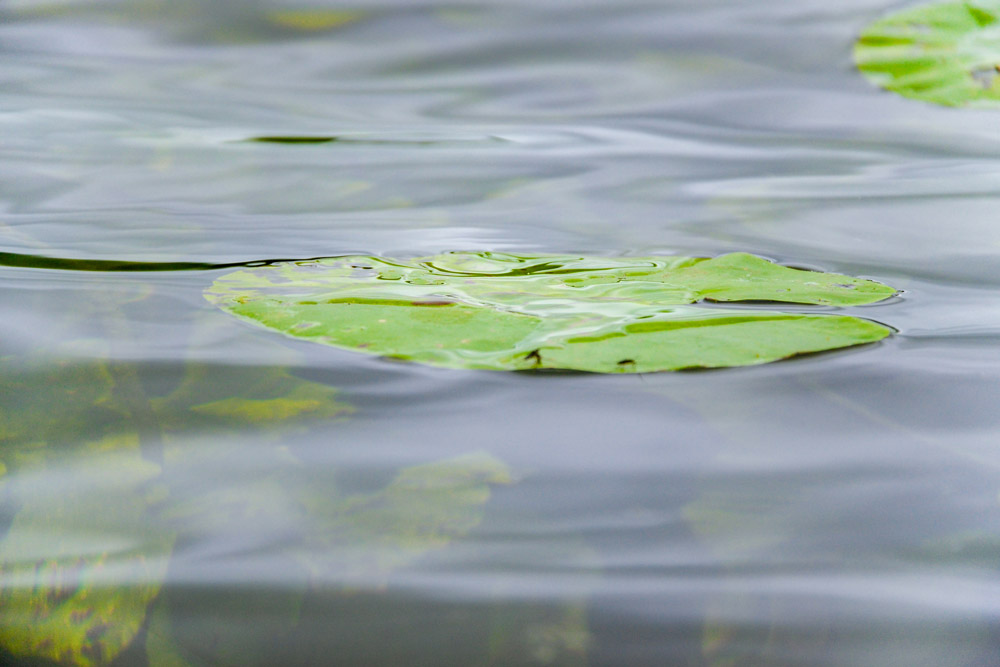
<point>513,312</point>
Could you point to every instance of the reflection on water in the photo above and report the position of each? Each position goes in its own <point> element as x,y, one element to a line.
<point>181,489</point>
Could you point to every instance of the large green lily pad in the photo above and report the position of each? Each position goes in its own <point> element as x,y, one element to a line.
<point>517,312</point>
<point>947,53</point>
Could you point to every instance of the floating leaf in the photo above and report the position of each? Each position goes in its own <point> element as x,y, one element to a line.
<point>947,53</point>
<point>515,312</point>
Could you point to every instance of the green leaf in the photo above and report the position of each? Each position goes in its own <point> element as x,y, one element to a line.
<point>946,53</point>
<point>517,312</point>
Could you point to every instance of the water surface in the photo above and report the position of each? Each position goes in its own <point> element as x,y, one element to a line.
<point>835,509</point>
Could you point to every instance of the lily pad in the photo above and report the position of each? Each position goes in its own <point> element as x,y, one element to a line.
<point>946,53</point>
<point>518,312</point>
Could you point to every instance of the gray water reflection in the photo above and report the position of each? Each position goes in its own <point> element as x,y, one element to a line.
<point>838,509</point>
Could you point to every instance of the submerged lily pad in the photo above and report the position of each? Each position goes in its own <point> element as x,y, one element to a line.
<point>80,599</point>
<point>353,544</point>
<point>85,550</point>
<point>517,312</point>
<point>946,53</point>
<point>81,559</point>
<point>314,19</point>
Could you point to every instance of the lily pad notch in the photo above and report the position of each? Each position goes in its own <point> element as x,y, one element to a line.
<point>945,53</point>
<point>499,311</point>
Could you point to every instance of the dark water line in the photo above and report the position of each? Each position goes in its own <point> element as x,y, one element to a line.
<point>340,140</point>
<point>117,266</point>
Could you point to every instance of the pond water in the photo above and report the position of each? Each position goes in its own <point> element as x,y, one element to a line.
<point>182,488</point>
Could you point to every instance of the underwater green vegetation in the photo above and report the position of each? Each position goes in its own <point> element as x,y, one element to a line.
<point>120,456</point>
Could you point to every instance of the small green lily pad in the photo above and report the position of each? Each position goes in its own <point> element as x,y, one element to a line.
<point>518,312</point>
<point>946,53</point>
<point>65,595</point>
